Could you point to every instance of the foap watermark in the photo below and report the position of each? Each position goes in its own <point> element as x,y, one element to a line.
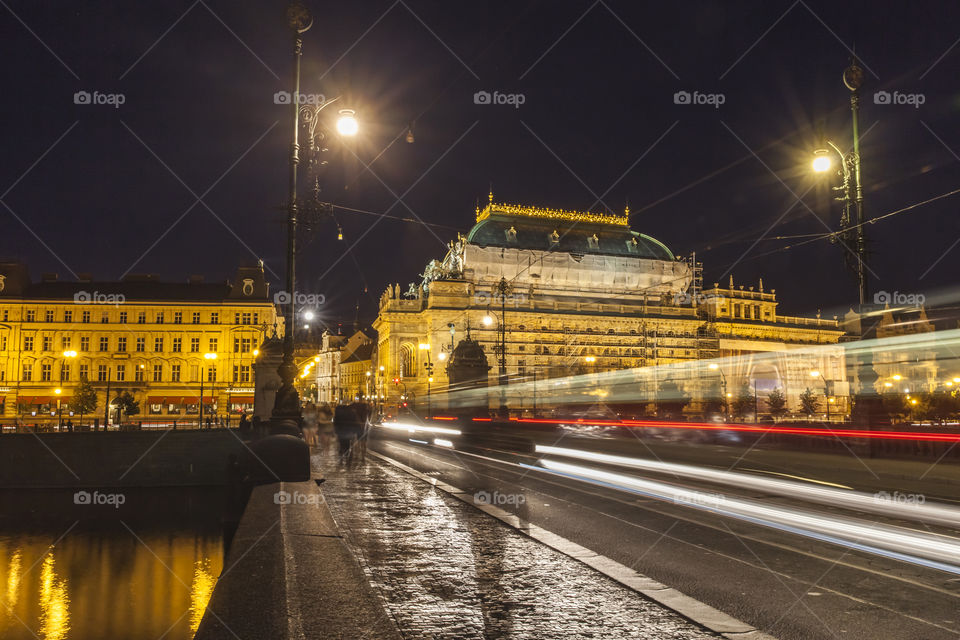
<point>96,297</point>
<point>87,97</point>
<point>899,298</point>
<point>96,498</point>
<point>713,500</point>
<point>685,298</point>
<point>285,97</point>
<point>898,97</point>
<point>299,298</point>
<point>297,497</point>
<point>711,99</point>
<point>511,299</point>
<point>513,99</point>
<point>497,498</point>
<point>898,497</point>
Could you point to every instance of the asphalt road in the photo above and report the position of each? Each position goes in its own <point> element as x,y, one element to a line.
<point>789,585</point>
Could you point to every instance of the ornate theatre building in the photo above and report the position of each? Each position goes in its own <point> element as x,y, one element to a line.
<point>571,293</point>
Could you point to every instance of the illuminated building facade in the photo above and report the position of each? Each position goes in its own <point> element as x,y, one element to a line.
<point>161,341</point>
<point>341,368</point>
<point>587,294</point>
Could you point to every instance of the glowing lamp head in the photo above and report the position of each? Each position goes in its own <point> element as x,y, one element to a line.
<point>69,354</point>
<point>814,374</point>
<point>713,365</point>
<point>590,359</point>
<point>487,320</point>
<point>347,124</point>
<point>58,391</point>
<point>308,315</point>
<point>210,356</point>
<point>442,356</point>
<point>821,160</point>
<point>897,377</point>
<point>424,346</point>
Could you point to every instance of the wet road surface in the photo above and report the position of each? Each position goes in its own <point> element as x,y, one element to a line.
<point>448,570</point>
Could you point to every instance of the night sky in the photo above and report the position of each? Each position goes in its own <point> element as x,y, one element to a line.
<point>112,190</point>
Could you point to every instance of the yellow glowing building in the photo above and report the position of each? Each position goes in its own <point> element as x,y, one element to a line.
<point>588,294</point>
<point>163,342</point>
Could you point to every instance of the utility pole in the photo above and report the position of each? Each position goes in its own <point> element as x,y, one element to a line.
<point>502,289</point>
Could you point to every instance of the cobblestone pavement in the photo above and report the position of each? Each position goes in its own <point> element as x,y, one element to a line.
<point>448,570</point>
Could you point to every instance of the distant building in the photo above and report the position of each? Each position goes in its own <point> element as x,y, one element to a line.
<point>588,294</point>
<point>140,334</point>
<point>341,367</point>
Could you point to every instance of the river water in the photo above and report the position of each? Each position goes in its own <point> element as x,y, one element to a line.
<point>141,569</point>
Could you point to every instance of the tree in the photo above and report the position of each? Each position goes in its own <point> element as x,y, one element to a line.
<point>895,404</point>
<point>777,402</point>
<point>126,405</point>
<point>713,400</point>
<point>809,401</point>
<point>84,399</point>
<point>745,402</point>
<point>671,399</point>
<point>939,405</point>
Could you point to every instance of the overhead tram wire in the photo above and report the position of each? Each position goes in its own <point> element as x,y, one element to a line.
<point>399,218</point>
<point>814,237</point>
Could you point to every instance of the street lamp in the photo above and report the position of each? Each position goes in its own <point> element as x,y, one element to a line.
<point>826,390</point>
<point>210,357</point>
<point>67,355</point>
<point>428,366</point>
<point>287,403</point>
<point>713,366</point>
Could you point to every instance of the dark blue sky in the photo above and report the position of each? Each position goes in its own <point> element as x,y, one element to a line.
<point>100,187</point>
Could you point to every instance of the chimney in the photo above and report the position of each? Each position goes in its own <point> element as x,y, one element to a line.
<point>48,277</point>
<point>85,277</point>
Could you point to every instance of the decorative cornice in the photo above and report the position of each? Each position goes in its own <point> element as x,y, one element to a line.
<point>545,212</point>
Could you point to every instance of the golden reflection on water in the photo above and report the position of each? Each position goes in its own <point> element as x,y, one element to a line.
<point>93,585</point>
<point>13,579</point>
<point>203,582</point>
<point>54,602</point>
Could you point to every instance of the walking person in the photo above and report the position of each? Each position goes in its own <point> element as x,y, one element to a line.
<point>346,424</point>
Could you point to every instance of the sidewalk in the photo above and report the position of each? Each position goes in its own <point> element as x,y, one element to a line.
<point>445,569</point>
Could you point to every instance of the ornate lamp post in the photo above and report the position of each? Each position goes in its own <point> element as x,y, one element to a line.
<point>287,403</point>
<point>502,290</point>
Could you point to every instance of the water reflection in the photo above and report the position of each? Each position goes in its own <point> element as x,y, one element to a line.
<point>93,577</point>
<point>54,603</point>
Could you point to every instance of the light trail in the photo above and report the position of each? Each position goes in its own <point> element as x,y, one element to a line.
<point>925,549</point>
<point>416,428</point>
<point>883,503</point>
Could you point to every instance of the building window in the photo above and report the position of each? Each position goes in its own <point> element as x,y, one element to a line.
<point>27,371</point>
<point>68,315</point>
<point>159,317</point>
<point>85,317</point>
<point>736,311</point>
<point>177,345</point>
<point>105,317</point>
<point>215,318</point>
<point>178,317</point>
<point>65,342</point>
<point>104,343</point>
<point>47,343</point>
<point>196,317</point>
<point>64,371</point>
<point>141,344</point>
<point>123,317</point>
<point>122,343</point>
<point>256,318</point>
<point>242,345</point>
<point>521,367</point>
<point>3,343</point>
<point>213,345</point>
<point>241,373</point>
<point>121,372</point>
<point>211,374</point>
<point>142,317</point>
<point>138,374</point>
<point>46,373</point>
<point>31,315</point>
<point>157,372</point>
<point>102,373</point>
<point>158,344</point>
<point>48,316</point>
<point>28,343</point>
<point>175,373</point>
<point>84,371</point>
<point>194,345</point>
<point>84,343</point>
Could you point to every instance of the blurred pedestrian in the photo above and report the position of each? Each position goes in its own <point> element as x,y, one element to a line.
<point>346,424</point>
